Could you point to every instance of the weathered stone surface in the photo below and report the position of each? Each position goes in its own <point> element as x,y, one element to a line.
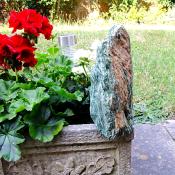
<point>153,151</point>
<point>111,85</point>
<point>170,127</point>
<point>79,150</point>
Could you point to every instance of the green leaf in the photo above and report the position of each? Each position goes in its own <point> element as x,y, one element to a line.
<point>53,51</point>
<point>79,95</point>
<point>46,81</point>
<point>41,126</point>
<point>6,92</point>
<point>66,113</point>
<point>64,95</point>
<point>42,58</point>
<point>64,61</point>
<point>22,86</point>
<point>46,133</point>
<point>9,140</point>
<point>84,61</point>
<point>28,99</point>
<point>33,97</point>
<point>39,115</point>
<point>61,71</point>
<point>17,106</point>
<point>5,116</point>
<point>69,112</point>
<point>1,108</point>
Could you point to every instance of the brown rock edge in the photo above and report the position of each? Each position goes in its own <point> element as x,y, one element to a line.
<point>120,52</point>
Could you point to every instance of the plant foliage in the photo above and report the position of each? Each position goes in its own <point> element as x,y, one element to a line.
<point>40,99</point>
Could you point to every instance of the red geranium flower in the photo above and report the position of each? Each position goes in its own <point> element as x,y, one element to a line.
<point>32,23</point>
<point>47,28</point>
<point>26,55</point>
<point>15,21</point>
<point>19,41</point>
<point>15,52</point>
<point>25,50</point>
<point>6,51</point>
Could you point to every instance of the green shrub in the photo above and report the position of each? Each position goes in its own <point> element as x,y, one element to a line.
<point>67,9</point>
<point>134,11</point>
<point>45,7</point>
<point>7,5</point>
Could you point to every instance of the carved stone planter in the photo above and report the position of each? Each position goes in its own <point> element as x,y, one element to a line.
<point>78,150</point>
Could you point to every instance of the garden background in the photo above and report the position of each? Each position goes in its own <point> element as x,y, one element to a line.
<point>152,51</point>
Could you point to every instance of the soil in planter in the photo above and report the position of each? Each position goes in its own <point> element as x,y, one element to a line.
<point>82,116</point>
<point>81,113</point>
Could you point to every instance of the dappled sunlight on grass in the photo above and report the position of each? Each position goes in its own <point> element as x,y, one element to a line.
<point>154,70</point>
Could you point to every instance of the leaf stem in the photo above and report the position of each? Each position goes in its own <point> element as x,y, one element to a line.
<point>84,70</point>
<point>16,73</point>
<point>87,77</point>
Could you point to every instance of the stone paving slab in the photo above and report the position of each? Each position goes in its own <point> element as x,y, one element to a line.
<point>170,127</point>
<point>153,150</point>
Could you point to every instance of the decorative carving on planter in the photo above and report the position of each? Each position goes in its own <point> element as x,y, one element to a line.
<point>101,166</point>
<point>111,85</point>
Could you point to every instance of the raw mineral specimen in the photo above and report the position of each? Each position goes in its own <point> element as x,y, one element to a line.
<point>111,85</point>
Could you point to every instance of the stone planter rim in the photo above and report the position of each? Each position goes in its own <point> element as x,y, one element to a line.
<point>85,133</point>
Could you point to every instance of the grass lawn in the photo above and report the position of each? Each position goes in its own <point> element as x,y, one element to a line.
<point>153,55</point>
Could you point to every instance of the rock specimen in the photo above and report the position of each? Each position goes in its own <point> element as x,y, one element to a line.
<point>111,85</point>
